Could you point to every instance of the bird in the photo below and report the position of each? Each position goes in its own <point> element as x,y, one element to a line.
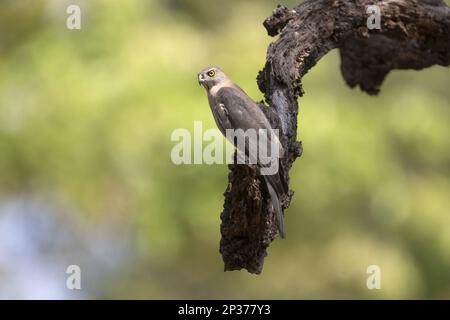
<point>233,109</point>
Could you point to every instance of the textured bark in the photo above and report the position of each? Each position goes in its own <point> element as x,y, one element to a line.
<point>414,34</point>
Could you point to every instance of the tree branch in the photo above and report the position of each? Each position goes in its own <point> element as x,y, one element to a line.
<point>414,34</point>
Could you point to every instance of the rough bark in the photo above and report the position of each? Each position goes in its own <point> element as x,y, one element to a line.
<point>414,34</point>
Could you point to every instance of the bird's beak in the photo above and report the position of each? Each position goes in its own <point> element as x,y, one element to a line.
<point>201,80</point>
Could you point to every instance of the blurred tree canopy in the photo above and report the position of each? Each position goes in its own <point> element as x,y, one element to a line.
<point>86,117</point>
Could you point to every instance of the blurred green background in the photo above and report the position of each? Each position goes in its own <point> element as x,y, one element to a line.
<point>86,177</point>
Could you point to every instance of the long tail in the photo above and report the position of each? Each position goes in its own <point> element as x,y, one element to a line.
<point>276,205</point>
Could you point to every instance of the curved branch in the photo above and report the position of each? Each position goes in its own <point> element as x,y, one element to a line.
<point>414,34</point>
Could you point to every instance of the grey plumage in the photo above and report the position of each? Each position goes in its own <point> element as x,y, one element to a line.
<point>233,109</point>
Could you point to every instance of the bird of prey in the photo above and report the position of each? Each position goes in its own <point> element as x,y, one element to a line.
<point>233,109</point>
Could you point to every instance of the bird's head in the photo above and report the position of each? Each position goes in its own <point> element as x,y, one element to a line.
<point>211,76</point>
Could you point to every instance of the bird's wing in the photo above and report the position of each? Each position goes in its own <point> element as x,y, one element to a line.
<point>222,118</point>
<point>243,113</point>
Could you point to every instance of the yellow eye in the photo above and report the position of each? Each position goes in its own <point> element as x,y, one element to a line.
<point>211,73</point>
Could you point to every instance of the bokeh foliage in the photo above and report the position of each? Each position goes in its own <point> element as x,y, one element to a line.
<point>86,118</point>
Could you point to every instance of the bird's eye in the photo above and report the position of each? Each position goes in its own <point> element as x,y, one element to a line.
<point>211,73</point>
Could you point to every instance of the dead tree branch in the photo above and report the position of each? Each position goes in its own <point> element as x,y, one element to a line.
<point>414,34</point>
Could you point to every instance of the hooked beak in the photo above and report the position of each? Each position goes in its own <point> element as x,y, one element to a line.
<point>201,80</point>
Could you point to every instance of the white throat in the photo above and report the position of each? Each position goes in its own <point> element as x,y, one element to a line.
<point>225,83</point>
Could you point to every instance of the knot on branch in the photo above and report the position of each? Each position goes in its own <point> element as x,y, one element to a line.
<point>278,20</point>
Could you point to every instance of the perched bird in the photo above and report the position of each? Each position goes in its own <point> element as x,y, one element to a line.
<point>233,109</point>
